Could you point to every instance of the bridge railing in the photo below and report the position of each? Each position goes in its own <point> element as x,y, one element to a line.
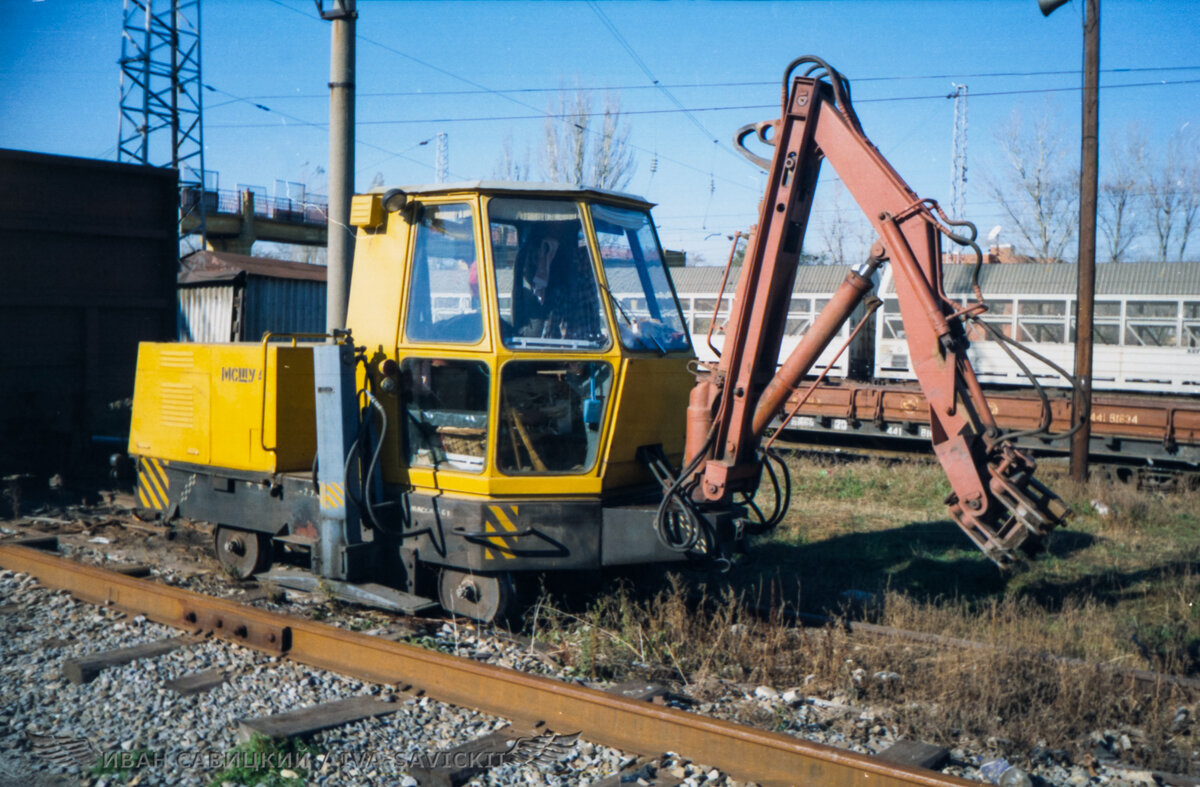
<point>314,209</point>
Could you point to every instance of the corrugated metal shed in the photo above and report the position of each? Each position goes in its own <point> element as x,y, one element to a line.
<point>234,297</point>
<point>282,305</point>
<point>206,313</point>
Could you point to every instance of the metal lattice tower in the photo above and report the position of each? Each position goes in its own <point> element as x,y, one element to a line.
<point>161,105</point>
<point>442,163</point>
<point>958,182</point>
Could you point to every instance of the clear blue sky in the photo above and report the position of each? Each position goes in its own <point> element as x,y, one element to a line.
<point>60,84</point>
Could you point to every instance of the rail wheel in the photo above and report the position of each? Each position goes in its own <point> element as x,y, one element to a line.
<point>489,598</point>
<point>243,553</point>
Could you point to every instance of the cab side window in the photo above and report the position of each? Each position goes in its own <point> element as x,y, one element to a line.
<point>445,412</point>
<point>443,291</point>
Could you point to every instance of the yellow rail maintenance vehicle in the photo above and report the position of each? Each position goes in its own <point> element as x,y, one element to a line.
<point>492,409</point>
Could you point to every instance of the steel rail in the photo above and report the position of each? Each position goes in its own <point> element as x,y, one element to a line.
<point>745,753</point>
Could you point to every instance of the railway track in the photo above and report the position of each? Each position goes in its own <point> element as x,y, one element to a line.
<point>532,703</point>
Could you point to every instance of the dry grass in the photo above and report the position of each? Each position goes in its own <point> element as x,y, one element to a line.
<point>922,691</point>
<point>1116,590</point>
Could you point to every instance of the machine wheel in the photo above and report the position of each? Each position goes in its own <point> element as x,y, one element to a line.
<point>243,553</point>
<point>489,598</point>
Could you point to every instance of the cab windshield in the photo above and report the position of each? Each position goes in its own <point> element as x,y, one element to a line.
<point>646,309</point>
<point>545,279</point>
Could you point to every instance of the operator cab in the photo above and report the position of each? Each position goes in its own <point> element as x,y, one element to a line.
<point>529,315</point>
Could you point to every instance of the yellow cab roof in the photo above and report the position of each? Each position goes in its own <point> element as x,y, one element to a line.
<point>524,188</point>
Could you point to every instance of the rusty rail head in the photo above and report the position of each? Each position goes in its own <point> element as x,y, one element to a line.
<point>629,725</point>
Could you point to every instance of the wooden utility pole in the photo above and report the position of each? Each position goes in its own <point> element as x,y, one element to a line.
<point>1085,288</point>
<point>1085,296</point>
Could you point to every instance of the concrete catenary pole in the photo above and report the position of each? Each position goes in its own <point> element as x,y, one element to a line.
<point>341,160</point>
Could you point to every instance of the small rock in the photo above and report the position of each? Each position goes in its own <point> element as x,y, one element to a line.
<point>766,693</point>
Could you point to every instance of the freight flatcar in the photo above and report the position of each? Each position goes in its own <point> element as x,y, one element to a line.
<point>1147,359</point>
<point>1147,334</point>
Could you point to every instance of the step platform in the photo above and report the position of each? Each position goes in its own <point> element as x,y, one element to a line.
<point>368,594</point>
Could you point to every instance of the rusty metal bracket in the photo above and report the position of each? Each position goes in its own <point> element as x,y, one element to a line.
<point>267,637</point>
<point>759,129</point>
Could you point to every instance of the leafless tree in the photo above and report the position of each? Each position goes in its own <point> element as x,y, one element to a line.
<point>1121,219</point>
<point>1173,191</point>
<point>510,167</point>
<point>575,152</point>
<point>613,163</point>
<point>845,233</point>
<point>1037,188</point>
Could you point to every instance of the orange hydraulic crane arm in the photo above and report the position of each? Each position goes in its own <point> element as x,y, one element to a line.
<point>995,498</point>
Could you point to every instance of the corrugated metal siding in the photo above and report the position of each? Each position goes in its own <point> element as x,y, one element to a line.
<point>1172,279</point>
<point>1149,278</point>
<point>706,279</point>
<point>206,313</point>
<point>1141,278</point>
<point>282,306</point>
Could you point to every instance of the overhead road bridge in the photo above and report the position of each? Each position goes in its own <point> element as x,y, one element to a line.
<point>234,220</point>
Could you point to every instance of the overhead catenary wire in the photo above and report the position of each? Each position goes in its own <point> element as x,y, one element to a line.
<point>504,94</point>
<point>624,42</point>
<point>544,115</point>
<point>749,83</point>
<point>313,124</point>
<point>488,90</point>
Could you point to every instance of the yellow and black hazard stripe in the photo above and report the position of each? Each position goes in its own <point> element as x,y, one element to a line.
<point>332,495</point>
<point>499,520</point>
<point>153,485</point>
